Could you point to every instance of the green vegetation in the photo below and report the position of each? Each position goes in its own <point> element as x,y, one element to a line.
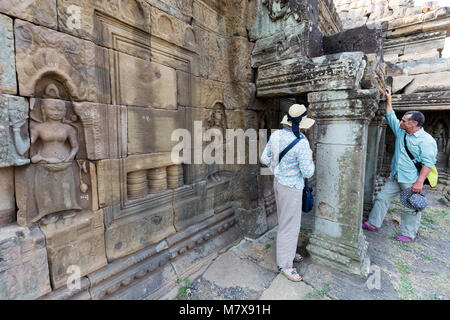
<point>316,293</point>
<point>402,267</point>
<point>183,291</point>
<point>405,290</point>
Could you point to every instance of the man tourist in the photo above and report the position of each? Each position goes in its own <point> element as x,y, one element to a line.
<point>404,173</point>
<point>290,171</point>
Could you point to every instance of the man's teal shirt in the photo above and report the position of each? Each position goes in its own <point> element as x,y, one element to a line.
<point>421,145</point>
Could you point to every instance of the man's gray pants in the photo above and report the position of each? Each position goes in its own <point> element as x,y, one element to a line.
<point>289,213</point>
<point>410,218</point>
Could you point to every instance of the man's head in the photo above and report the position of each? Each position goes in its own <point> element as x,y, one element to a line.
<point>412,121</point>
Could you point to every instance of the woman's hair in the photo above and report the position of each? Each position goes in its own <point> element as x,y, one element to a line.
<point>417,116</point>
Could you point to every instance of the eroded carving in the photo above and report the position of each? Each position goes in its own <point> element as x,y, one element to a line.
<point>54,183</point>
<point>14,141</point>
<point>277,8</point>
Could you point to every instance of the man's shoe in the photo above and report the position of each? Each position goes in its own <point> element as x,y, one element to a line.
<point>403,238</point>
<point>366,226</point>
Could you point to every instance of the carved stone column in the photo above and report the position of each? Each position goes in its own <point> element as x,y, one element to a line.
<point>342,119</point>
<point>376,130</point>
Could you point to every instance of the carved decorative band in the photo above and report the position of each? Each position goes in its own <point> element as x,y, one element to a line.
<point>342,71</point>
<point>423,37</point>
<point>125,272</point>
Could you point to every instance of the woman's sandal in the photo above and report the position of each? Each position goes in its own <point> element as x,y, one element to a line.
<point>298,258</point>
<point>291,274</point>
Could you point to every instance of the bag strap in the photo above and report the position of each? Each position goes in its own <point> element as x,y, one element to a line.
<point>416,163</point>
<point>289,147</point>
<point>407,150</point>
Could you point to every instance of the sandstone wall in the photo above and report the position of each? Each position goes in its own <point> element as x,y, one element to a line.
<point>90,93</point>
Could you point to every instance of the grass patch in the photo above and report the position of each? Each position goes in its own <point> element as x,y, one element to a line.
<point>405,290</point>
<point>319,293</point>
<point>425,257</point>
<point>402,266</point>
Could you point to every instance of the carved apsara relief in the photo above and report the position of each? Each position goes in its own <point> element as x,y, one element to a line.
<point>55,182</point>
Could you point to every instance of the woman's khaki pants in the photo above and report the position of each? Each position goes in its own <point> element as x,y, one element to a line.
<point>289,213</point>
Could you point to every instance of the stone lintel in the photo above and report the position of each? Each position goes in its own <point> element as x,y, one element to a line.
<point>290,77</point>
<point>424,101</point>
<point>415,25</point>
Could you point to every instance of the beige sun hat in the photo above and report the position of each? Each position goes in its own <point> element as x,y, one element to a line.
<point>297,110</point>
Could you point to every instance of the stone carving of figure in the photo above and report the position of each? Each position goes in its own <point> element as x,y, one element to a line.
<point>440,134</point>
<point>54,147</point>
<point>277,8</point>
<point>54,134</point>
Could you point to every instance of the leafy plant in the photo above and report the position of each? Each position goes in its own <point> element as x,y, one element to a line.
<point>184,291</point>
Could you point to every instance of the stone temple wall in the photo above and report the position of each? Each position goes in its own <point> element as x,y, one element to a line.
<point>90,92</point>
<point>414,36</point>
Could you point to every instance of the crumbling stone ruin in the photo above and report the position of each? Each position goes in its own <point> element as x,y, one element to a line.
<point>92,203</point>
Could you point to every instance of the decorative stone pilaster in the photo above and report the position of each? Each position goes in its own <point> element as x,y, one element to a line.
<point>342,118</point>
<point>376,131</point>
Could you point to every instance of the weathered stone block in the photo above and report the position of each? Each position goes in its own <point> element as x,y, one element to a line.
<point>206,93</point>
<point>123,273</point>
<point>300,40</point>
<point>7,201</point>
<point>180,9</point>
<point>79,65</point>
<point>24,272</point>
<point>238,95</point>
<point>188,205</point>
<point>105,130</point>
<point>214,55</point>
<point>150,284</point>
<point>157,124</point>
<point>14,136</point>
<point>109,183</point>
<point>194,252</point>
<point>149,223</point>
<point>74,240</point>
<point>68,293</point>
<point>400,82</point>
<point>293,76</point>
<point>439,81</point>
<point>357,39</point>
<point>240,50</point>
<point>7,61</point>
<point>171,29</point>
<point>138,82</point>
<point>43,189</point>
<point>97,20</point>
<point>42,12</point>
<point>427,66</point>
<point>210,16</point>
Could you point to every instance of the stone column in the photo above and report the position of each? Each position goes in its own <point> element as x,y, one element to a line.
<point>376,130</point>
<point>342,118</point>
